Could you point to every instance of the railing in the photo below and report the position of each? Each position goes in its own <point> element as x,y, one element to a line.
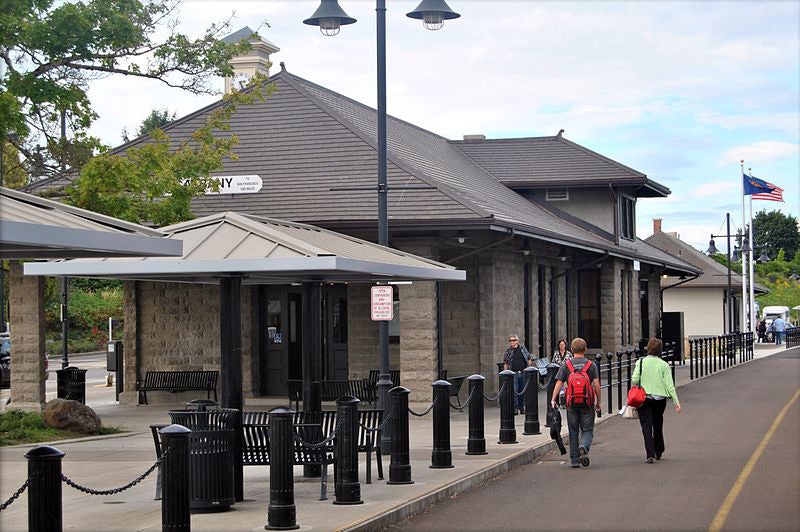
<point>715,353</point>
<point>792,337</point>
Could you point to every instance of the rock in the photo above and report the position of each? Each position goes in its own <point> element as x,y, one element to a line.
<point>71,415</point>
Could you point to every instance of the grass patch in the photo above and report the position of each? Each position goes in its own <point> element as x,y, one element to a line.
<point>18,427</point>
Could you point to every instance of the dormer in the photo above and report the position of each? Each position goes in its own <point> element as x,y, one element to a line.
<point>255,61</point>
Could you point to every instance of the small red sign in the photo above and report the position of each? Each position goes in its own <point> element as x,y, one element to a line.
<point>382,303</point>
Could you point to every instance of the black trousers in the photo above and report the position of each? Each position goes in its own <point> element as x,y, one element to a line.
<point>651,418</point>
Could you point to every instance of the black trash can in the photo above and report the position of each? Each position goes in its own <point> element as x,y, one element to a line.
<point>201,405</point>
<point>71,384</point>
<point>211,458</point>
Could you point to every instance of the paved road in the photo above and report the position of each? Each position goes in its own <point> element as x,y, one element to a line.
<point>725,419</point>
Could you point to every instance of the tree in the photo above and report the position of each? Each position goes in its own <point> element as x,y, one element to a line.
<point>775,231</point>
<point>14,174</point>
<point>50,51</point>
<point>157,119</point>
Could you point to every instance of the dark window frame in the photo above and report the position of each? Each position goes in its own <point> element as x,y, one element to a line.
<point>627,217</point>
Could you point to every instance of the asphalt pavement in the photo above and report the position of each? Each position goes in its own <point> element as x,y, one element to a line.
<point>709,458</point>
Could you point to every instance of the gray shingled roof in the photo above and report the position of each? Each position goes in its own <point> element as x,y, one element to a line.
<point>246,33</point>
<point>309,144</point>
<point>713,274</point>
<point>552,161</point>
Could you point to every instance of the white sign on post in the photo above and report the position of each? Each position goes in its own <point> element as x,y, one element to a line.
<point>238,184</point>
<point>382,303</point>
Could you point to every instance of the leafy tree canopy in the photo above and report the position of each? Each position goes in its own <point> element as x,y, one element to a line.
<point>157,119</point>
<point>775,231</point>
<point>14,174</point>
<point>50,51</point>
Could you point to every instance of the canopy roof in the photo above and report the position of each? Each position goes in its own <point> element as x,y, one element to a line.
<point>261,251</point>
<point>36,228</point>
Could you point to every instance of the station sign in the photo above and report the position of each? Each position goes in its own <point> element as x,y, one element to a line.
<point>238,184</point>
<point>382,303</point>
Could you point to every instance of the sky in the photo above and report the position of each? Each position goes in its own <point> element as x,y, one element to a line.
<point>679,90</point>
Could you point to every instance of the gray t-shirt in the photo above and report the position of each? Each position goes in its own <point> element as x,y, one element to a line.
<point>578,363</point>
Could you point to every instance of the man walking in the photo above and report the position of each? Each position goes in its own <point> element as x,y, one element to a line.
<point>516,359</point>
<point>778,327</point>
<point>583,391</point>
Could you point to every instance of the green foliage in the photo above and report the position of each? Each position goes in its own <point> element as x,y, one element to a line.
<point>154,182</point>
<point>722,258</point>
<point>775,275</point>
<point>14,174</point>
<point>17,427</point>
<point>90,303</point>
<point>52,50</point>
<point>157,119</point>
<point>775,231</point>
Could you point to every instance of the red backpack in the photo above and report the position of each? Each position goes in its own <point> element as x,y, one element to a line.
<point>579,385</point>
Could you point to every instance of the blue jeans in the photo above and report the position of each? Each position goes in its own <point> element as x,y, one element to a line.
<point>779,337</point>
<point>519,383</point>
<point>580,421</point>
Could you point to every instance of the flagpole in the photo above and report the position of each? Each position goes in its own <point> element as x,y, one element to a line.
<point>753,315</point>
<point>745,326</point>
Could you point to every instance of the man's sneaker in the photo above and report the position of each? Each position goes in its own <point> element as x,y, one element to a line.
<point>649,460</point>
<point>575,464</point>
<point>584,456</point>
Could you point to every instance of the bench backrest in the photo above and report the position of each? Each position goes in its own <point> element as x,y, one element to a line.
<point>191,379</point>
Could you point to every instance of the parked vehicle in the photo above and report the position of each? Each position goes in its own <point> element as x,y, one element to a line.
<point>5,361</point>
<point>769,314</point>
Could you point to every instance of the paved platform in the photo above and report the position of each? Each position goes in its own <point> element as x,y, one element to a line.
<point>112,461</point>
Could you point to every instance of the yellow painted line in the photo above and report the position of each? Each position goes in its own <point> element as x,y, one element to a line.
<point>724,510</point>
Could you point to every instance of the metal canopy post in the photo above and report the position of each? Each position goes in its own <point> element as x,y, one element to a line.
<point>230,326</point>
<point>312,345</point>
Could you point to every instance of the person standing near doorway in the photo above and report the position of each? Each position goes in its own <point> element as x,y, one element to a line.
<point>583,391</point>
<point>516,359</point>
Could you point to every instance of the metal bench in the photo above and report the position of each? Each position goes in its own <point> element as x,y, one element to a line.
<point>363,389</point>
<point>178,381</point>
<point>294,387</point>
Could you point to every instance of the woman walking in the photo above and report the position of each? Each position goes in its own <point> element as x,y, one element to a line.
<point>562,354</point>
<point>653,374</point>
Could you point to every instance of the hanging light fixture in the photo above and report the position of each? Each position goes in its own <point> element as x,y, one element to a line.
<point>461,237</point>
<point>735,255</point>
<point>433,13</point>
<point>562,254</point>
<point>330,17</point>
<point>526,248</point>
<point>794,276</point>
<point>712,248</point>
<point>763,257</point>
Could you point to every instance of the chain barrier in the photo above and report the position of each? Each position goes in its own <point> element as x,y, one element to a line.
<point>71,483</point>
<point>326,441</point>
<point>426,411</point>
<point>547,383</point>
<point>383,424</point>
<point>495,396</point>
<point>465,403</point>
<point>15,496</point>
<point>524,388</point>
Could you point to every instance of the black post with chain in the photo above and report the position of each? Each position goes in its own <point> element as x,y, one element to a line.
<point>177,490</point>
<point>531,401</point>
<point>508,431</point>
<point>441,455</point>
<point>400,462</point>
<point>44,491</point>
<point>476,440</point>
<point>281,512</point>
<point>348,486</point>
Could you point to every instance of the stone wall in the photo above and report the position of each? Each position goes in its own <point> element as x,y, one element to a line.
<point>418,338</point>
<point>362,334</point>
<point>26,299</point>
<point>460,324</point>
<point>611,305</point>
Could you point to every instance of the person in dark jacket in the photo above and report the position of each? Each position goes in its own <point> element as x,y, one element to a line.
<point>516,359</point>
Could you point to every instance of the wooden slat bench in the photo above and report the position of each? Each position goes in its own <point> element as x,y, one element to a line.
<point>178,381</point>
<point>363,389</point>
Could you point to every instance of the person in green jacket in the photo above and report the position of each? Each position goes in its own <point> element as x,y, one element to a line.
<point>653,374</point>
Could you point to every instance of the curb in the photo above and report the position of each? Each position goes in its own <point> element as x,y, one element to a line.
<point>73,440</point>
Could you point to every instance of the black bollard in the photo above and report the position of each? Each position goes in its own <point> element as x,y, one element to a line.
<point>508,431</point>
<point>552,371</point>
<point>44,490</point>
<point>610,379</point>
<point>281,512</point>
<point>441,455</point>
<point>348,486</point>
<point>400,463</point>
<point>531,401</point>
<point>476,441</point>
<point>176,493</point>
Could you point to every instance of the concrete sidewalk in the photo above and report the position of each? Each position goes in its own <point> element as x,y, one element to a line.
<point>112,461</point>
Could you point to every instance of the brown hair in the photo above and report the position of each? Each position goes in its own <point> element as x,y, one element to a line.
<point>654,347</point>
<point>578,346</point>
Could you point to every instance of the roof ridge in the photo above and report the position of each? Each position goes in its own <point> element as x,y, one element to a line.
<point>391,155</point>
<point>716,267</point>
<point>599,156</point>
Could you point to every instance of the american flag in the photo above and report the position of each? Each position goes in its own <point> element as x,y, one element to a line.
<point>776,194</point>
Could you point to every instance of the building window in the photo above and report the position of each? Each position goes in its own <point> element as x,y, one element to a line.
<point>589,321</point>
<point>627,217</point>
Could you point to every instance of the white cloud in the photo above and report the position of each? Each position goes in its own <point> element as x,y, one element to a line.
<point>764,151</point>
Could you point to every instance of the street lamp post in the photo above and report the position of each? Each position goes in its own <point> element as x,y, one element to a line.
<point>329,16</point>
<point>712,249</point>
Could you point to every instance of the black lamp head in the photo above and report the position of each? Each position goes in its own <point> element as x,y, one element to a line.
<point>329,16</point>
<point>433,13</point>
<point>763,257</point>
<point>712,248</point>
<point>461,237</point>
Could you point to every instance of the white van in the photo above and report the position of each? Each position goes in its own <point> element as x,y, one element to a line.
<point>769,314</point>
